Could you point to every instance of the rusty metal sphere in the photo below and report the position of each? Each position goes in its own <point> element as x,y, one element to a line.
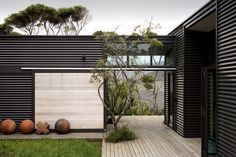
<point>8,126</point>
<point>62,126</point>
<point>26,126</point>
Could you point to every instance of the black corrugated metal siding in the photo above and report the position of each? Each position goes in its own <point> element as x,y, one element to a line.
<point>16,96</point>
<point>169,60</point>
<point>195,58</point>
<point>179,82</point>
<point>226,75</point>
<point>49,51</point>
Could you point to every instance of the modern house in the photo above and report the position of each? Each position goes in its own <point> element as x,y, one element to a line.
<point>200,96</point>
<point>40,74</point>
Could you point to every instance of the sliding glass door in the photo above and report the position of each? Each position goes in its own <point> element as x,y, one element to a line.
<point>208,112</point>
<point>170,99</point>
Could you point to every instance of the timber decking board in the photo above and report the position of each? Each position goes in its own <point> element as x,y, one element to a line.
<point>154,140</point>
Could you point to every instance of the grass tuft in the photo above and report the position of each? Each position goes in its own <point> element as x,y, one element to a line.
<point>121,134</point>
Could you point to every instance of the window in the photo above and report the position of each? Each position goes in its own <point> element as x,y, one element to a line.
<point>158,60</point>
<point>140,60</point>
<point>112,60</point>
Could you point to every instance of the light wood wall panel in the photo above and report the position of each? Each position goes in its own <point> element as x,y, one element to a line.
<point>70,96</point>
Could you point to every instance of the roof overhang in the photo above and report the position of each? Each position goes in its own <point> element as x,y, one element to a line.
<point>206,10</point>
<point>99,69</point>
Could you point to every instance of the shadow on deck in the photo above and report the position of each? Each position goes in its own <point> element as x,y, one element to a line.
<point>154,140</point>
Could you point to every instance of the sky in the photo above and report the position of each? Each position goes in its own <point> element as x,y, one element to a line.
<point>107,15</point>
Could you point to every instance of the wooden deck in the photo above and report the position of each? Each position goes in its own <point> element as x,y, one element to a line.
<point>154,140</point>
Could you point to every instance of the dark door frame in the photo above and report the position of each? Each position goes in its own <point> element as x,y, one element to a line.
<point>204,110</point>
<point>170,79</point>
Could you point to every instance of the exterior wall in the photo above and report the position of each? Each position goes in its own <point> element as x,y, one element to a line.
<point>17,86</point>
<point>49,51</point>
<point>226,76</point>
<point>16,96</point>
<point>169,60</point>
<point>195,58</point>
<point>187,110</point>
<point>179,82</point>
<point>187,113</point>
<point>70,96</point>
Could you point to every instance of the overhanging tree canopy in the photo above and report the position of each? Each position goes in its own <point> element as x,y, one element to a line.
<point>41,19</point>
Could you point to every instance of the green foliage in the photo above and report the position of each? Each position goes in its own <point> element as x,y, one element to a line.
<point>141,109</point>
<point>49,148</point>
<point>5,29</point>
<point>36,17</point>
<point>121,134</point>
<point>148,78</point>
<point>122,89</point>
<point>148,81</point>
<point>97,33</point>
<point>117,98</point>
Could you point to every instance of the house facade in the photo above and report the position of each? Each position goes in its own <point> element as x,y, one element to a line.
<point>200,94</point>
<point>45,78</point>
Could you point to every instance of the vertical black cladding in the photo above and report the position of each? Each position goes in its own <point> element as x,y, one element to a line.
<point>226,78</point>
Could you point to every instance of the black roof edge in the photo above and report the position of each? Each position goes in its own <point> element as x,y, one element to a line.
<point>163,38</point>
<point>200,11</point>
<point>48,36</point>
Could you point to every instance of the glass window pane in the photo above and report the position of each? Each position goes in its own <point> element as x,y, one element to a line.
<point>139,60</point>
<point>158,60</point>
<point>112,60</point>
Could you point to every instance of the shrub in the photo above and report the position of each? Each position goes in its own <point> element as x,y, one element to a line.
<point>141,109</point>
<point>121,134</point>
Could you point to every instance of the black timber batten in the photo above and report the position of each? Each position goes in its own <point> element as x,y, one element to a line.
<point>226,78</point>
<point>49,51</point>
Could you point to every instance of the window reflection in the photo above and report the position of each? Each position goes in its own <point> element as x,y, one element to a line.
<point>121,60</point>
<point>140,60</point>
<point>158,60</point>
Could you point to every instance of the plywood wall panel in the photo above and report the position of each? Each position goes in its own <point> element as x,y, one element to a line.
<point>70,96</point>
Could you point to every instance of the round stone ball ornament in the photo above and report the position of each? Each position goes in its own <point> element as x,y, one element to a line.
<point>8,126</point>
<point>62,126</point>
<point>27,126</point>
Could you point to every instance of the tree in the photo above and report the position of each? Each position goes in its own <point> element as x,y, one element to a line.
<point>115,47</point>
<point>150,84</point>
<point>41,19</point>
<point>99,33</point>
<point>7,30</point>
<point>72,20</point>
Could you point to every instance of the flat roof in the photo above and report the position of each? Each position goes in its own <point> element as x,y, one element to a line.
<point>202,12</point>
